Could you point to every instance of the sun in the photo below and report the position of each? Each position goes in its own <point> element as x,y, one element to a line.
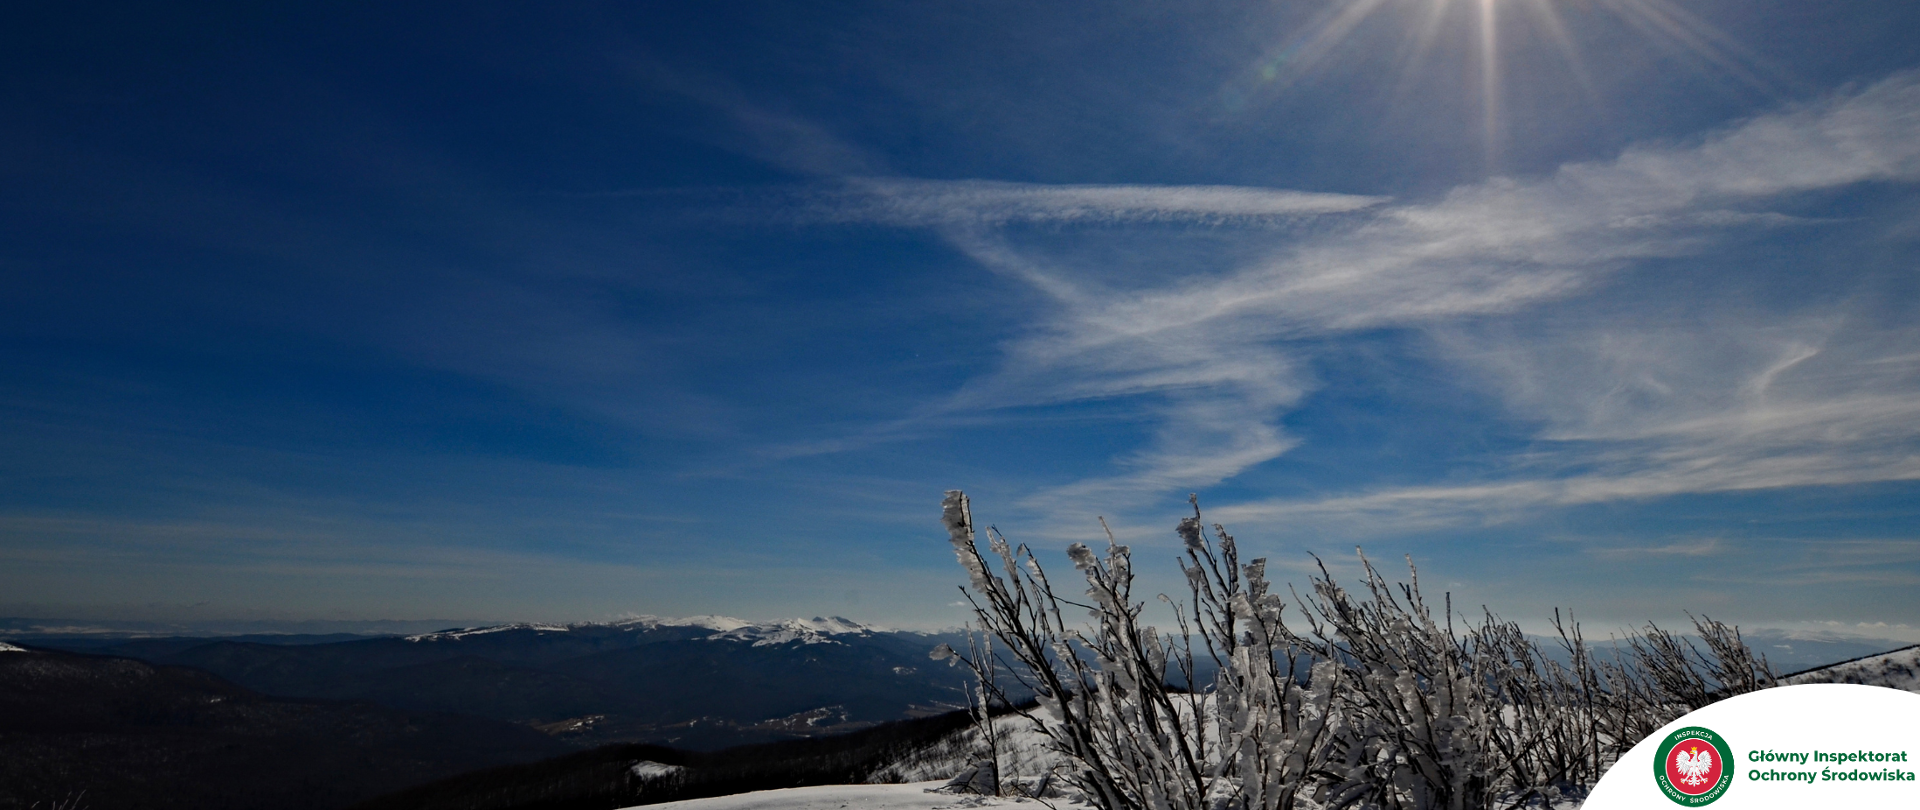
<point>1478,27</point>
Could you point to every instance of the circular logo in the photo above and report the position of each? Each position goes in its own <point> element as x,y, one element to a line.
<point>1693,766</point>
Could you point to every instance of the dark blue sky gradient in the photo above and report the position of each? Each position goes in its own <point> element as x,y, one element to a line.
<point>484,311</point>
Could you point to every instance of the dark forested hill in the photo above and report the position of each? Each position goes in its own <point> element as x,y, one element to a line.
<point>133,735</point>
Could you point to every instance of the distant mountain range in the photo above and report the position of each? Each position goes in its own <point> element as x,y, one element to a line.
<point>695,683</point>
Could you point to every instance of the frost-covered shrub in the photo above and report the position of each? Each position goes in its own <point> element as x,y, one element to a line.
<point>1367,700</point>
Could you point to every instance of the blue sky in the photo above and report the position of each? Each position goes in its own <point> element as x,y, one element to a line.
<point>477,312</point>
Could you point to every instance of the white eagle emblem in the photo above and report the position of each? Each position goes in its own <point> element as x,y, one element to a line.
<point>1693,767</point>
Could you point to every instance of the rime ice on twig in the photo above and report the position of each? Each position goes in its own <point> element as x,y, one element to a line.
<point>1397,709</point>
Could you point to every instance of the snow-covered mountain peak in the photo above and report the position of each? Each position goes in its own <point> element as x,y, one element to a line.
<point>836,624</point>
<point>816,630</point>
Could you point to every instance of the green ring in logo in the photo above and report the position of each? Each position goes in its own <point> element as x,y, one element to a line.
<point>1705,769</point>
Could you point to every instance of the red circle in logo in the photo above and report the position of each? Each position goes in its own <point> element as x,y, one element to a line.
<point>1693,767</point>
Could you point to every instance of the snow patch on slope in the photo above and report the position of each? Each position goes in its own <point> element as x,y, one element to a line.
<point>5,647</point>
<point>648,770</point>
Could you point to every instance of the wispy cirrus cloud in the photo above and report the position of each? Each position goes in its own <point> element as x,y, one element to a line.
<point>971,203</point>
<point>1694,547</point>
<point>1629,405</point>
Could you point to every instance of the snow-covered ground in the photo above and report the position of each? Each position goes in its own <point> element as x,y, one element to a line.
<point>912,796</point>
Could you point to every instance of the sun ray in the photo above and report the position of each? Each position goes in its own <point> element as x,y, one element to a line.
<point>1490,83</point>
<point>1423,40</point>
<point>1562,39</point>
<point>1671,25</point>
<point>1287,64</point>
<point>1496,41</point>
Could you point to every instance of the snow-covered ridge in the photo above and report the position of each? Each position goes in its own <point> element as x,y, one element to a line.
<point>450,635</point>
<point>5,647</point>
<point>1899,669</point>
<point>817,630</point>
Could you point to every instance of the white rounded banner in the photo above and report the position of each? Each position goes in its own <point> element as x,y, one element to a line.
<point>1813,745</point>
